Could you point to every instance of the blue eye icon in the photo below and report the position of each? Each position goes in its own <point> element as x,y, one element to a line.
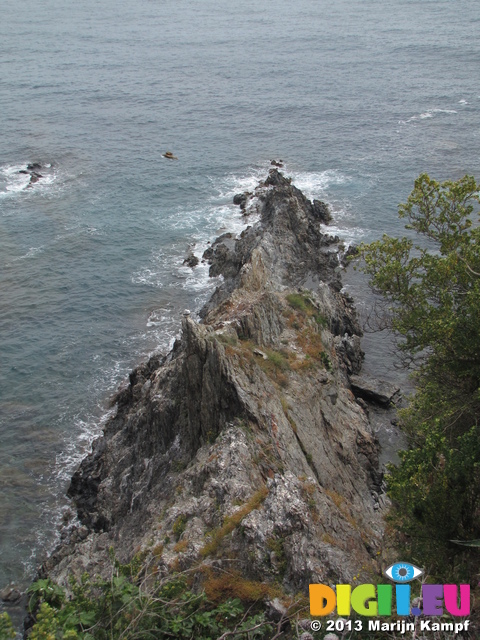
<point>402,572</point>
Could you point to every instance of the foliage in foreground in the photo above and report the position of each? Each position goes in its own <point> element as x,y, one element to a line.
<point>125,607</point>
<point>7,632</point>
<point>432,290</point>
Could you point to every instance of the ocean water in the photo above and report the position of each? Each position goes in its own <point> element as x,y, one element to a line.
<point>357,97</point>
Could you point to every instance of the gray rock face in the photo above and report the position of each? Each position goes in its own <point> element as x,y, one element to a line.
<point>321,211</point>
<point>10,594</point>
<point>377,391</point>
<point>248,422</point>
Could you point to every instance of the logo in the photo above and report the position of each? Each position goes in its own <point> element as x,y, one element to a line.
<point>385,599</point>
<point>403,572</point>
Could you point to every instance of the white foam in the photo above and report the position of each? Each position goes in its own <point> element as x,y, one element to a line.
<point>13,182</point>
<point>430,113</point>
<point>349,235</point>
<point>315,184</point>
<point>200,226</point>
<point>78,443</point>
<point>147,276</point>
<point>231,184</point>
<point>32,252</point>
<point>157,319</point>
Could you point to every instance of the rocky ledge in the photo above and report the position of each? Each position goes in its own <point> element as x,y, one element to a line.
<point>244,450</point>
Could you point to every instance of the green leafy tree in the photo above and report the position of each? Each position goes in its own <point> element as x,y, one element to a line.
<point>432,291</point>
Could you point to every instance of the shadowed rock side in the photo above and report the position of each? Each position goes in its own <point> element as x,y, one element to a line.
<point>244,449</point>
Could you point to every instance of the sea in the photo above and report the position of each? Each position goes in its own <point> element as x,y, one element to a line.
<point>357,97</point>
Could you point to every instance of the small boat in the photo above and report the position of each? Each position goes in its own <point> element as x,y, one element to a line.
<point>169,155</point>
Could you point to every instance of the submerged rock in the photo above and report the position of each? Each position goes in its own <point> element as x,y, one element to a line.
<point>191,260</point>
<point>10,594</point>
<point>32,170</point>
<point>240,199</point>
<point>34,177</point>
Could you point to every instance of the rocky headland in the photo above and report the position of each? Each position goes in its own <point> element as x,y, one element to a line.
<point>247,451</point>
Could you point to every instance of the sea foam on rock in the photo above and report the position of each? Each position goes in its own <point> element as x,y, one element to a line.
<point>216,433</point>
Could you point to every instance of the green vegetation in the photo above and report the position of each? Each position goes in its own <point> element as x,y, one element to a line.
<point>125,607</point>
<point>278,359</point>
<point>179,525</point>
<point>277,546</point>
<point>307,321</point>
<point>325,358</point>
<point>433,295</point>
<point>275,366</point>
<point>7,632</point>
<point>230,339</point>
<point>302,302</point>
<point>299,301</point>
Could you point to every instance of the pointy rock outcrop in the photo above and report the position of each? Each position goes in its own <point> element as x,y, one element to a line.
<point>243,449</point>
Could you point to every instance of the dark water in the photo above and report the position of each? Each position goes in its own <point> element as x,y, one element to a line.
<point>357,97</point>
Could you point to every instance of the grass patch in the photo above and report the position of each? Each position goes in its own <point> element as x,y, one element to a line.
<point>181,546</point>
<point>335,497</point>
<point>321,320</point>
<point>307,321</point>
<point>279,359</point>
<point>275,366</point>
<point>309,491</point>
<point>179,525</point>
<point>305,308</point>
<point>328,539</point>
<point>327,363</point>
<point>300,302</point>
<point>231,522</point>
<point>339,502</point>
<point>219,587</point>
<point>277,546</point>
<point>310,342</point>
<point>228,339</point>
